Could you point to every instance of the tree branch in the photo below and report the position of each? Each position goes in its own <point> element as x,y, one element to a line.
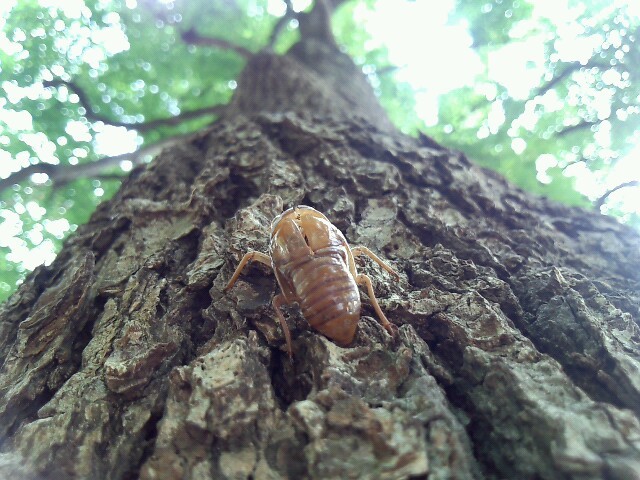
<point>582,159</point>
<point>194,38</point>
<point>282,22</point>
<point>84,101</point>
<point>389,69</point>
<point>177,119</point>
<point>62,174</point>
<point>578,126</point>
<point>571,68</point>
<point>603,198</point>
<point>190,36</point>
<point>316,25</point>
<point>141,126</point>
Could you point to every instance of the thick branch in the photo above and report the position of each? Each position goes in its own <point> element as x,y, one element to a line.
<point>61,174</point>
<point>141,126</point>
<point>603,198</point>
<point>194,38</point>
<point>316,25</point>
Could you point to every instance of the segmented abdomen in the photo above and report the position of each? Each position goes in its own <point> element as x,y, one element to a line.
<point>328,295</point>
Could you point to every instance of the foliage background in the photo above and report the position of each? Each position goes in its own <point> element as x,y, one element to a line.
<point>97,80</point>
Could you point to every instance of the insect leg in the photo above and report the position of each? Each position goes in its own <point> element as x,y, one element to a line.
<point>362,279</point>
<point>255,256</point>
<point>365,251</point>
<point>278,301</point>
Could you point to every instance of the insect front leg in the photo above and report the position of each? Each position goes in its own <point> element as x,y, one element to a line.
<point>250,256</point>
<point>362,279</point>
<point>278,301</point>
<point>360,250</point>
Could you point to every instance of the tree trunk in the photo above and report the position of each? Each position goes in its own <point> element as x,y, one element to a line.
<point>517,349</point>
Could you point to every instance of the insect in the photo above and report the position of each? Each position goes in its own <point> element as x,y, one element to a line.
<point>314,267</point>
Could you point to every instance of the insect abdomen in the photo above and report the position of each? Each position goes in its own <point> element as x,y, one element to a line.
<point>328,296</point>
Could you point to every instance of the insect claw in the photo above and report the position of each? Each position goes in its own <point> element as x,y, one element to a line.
<point>360,250</point>
<point>248,257</point>
<point>277,302</point>
<point>393,330</point>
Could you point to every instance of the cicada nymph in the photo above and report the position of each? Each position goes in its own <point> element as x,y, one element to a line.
<point>314,266</point>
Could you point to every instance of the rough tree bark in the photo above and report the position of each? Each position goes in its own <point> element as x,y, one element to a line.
<point>517,349</point>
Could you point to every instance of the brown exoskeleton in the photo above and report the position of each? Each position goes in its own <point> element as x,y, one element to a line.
<point>314,266</point>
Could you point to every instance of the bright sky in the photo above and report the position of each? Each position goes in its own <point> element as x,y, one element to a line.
<point>418,37</point>
<point>408,30</point>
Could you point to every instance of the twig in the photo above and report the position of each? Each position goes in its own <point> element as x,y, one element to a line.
<point>582,159</point>
<point>61,174</point>
<point>578,126</point>
<point>603,198</point>
<point>388,69</point>
<point>194,38</point>
<point>141,126</point>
